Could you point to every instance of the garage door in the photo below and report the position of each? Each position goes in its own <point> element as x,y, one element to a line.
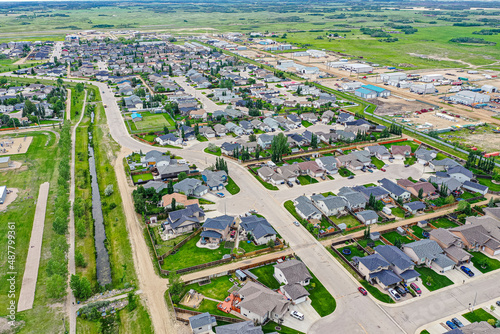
<point>497,252</point>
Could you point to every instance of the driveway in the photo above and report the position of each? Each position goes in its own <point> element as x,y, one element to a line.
<point>310,317</point>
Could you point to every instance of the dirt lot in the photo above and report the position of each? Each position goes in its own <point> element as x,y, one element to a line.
<point>483,138</point>
<point>9,146</point>
<point>11,197</point>
<point>395,106</point>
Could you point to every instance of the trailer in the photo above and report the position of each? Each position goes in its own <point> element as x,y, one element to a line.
<point>463,79</point>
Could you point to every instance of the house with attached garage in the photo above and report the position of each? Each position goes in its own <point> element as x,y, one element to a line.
<point>476,237</point>
<point>259,228</point>
<point>394,190</point>
<point>168,139</point>
<point>185,220</point>
<point>295,119</point>
<point>306,209</point>
<point>344,117</point>
<point>215,180</point>
<point>260,304</point>
<point>207,132</point>
<point>293,275</point>
<point>330,205</point>
<point>400,152</point>
<point>441,165</point>
<point>425,156</point>
<point>378,192</point>
<point>356,201</point>
<point>265,173</point>
<point>328,163</point>
<point>427,188</point>
<point>294,139</point>
<point>237,130</point>
<point>247,127</point>
<point>368,217</point>
<point>400,263</point>
<point>376,270</point>
<point>271,123</point>
<point>451,244</point>
<point>289,172</point>
<point>460,173</point>
<point>228,148</point>
<point>429,253</point>
<point>216,230</point>
<point>378,151</point>
<point>220,130</point>
<point>265,140</point>
<point>414,207</point>
<point>309,117</point>
<point>202,323</point>
<point>327,116</point>
<point>245,327</point>
<point>475,187</point>
<point>257,124</point>
<point>311,168</point>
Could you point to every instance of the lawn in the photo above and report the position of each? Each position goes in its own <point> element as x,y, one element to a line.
<point>478,315</point>
<point>392,236</point>
<point>151,122</point>
<point>438,281</point>
<point>398,212</point>
<point>266,185</point>
<point>265,276</point>
<point>375,292</point>
<point>232,187</point>
<point>322,301</point>
<point>304,180</point>
<point>143,177</point>
<point>344,172</point>
<point>216,289</point>
<point>189,255</point>
<point>368,185</point>
<point>489,184</point>
<point>329,193</point>
<point>270,327</point>
<point>349,220</point>
<point>377,162</point>
<point>443,223</point>
<point>354,252</point>
<point>417,230</point>
<point>364,242</point>
<point>217,153</point>
<point>410,143</point>
<point>250,247</point>
<point>208,306</point>
<point>291,208</point>
<point>484,263</point>
<point>411,160</point>
<point>306,124</point>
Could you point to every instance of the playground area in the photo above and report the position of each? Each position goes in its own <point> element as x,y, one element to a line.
<point>192,299</point>
<point>18,145</point>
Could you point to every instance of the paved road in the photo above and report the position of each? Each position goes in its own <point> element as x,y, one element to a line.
<point>209,105</point>
<point>56,51</point>
<point>28,287</point>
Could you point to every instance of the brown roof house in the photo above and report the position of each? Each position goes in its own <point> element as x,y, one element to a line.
<point>451,244</point>
<point>476,236</point>
<point>260,303</point>
<point>293,275</point>
<point>427,188</point>
<point>400,151</point>
<point>311,168</point>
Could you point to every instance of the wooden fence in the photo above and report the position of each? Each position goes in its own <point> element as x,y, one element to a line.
<point>217,317</point>
<point>259,251</point>
<point>360,275</point>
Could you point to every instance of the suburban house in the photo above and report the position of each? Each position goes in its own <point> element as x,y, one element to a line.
<point>394,190</point>
<point>228,148</point>
<point>271,123</point>
<point>476,237</point>
<point>259,303</point>
<point>368,217</point>
<point>265,173</point>
<point>492,212</point>
<point>207,132</point>
<point>428,252</point>
<point>414,188</point>
<point>185,220</point>
<point>475,187</point>
<point>400,152</point>
<point>328,163</point>
<point>215,180</point>
<point>180,199</point>
<point>400,263</point>
<point>414,206</point>
<point>158,186</point>
<point>202,323</point>
<point>265,140</point>
<point>168,139</point>
<point>259,228</point>
<point>306,209</point>
<point>330,205</point>
<point>451,244</point>
<point>245,327</point>
<point>191,187</point>
<point>289,172</point>
<point>460,174</point>
<point>327,116</point>
<point>293,275</point>
<point>378,192</point>
<point>356,201</point>
<point>375,269</point>
<point>425,156</point>
<point>490,224</point>
<point>441,165</point>
<point>220,130</point>
<point>378,151</point>
<point>236,129</point>
<point>216,230</point>
<point>311,168</point>
<point>172,170</point>
<point>343,118</point>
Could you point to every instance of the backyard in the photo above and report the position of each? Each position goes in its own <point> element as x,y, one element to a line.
<point>250,247</point>
<point>354,252</point>
<point>393,236</point>
<point>144,177</point>
<point>265,276</point>
<point>443,223</point>
<point>410,143</point>
<point>437,281</point>
<point>349,220</point>
<point>364,242</point>
<point>216,289</point>
<point>190,255</point>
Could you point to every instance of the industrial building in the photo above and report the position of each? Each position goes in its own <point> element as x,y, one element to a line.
<point>489,89</point>
<point>371,91</point>
<point>423,89</point>
<point>358,68</point>
<point>468,97</point>
<point>431,77</point>
<point>397,76</point>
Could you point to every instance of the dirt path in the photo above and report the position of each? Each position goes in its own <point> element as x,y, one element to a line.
<point>68,105</point>
<point>28,287</point>
<point>70,299</point>
<point>152,286</point>
<point>146,85</point>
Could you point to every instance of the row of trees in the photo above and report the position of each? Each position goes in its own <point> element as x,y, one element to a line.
<point>477,160</point>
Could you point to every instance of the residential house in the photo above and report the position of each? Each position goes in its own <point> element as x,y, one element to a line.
<point>180,199</point>
<point>295,119</point>
<point>445,164</point>
<point>168,139</point>
<point>451,244</point>
<point>330,205</point>
<point>344,117</point>
<point>265,140</point>
<point>259,303</point>
<point>245,327</point>
<point>220,130</point>
<point>378,151</point>
<point>428,252</point>
<point>294,139</point>
<point>191,187</point>
<point>400,263</point>
<point>476,237</point>
<point>311,168</point>
<point>293,275</point>
<point>356,201</point>
<point>188,132</point>
<point>376,270</point>
<point>460,173</point>
<point>289,172</point>
<point>475,187</point>
<point>414,207</point>
<point>185,220</point>
<point>228,148</point>
<point>215,180</point>
<point>414,188</point>
<point>271,123</point>
<point>400,152</point>
<point>158,186</point>
<point>378,192</point>
<point>425,156</point>
<point>172,170</point>
<point>309,117</point>
<point>368,217</point>
<point>207,132</point>
<point>236,129</point>
<point>305,208</point>
<point>216,230</point>
<point>202,323</point>
<point>259,228</point>
<point>247,127</point>
<point>327,116</point>
<point>328,163</point>
<point>395,191</point>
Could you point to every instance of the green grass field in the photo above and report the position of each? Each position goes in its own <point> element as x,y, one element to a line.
<point>306,179</point>
<point>349,220</point>
<point>322,301</point>
<point>354,252</point>
<point>484,263</point>
<point>392,236</point>
<point>265,275</point>
<point>151,122</point>
<point>250,247</point>
<point>217,288</point>
<point>478,315</point>
<point>443,223</point>
<point>232,187</point>
<point>438,281</point>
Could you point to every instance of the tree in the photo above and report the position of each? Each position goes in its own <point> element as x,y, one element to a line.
<point>56,286</point>
<point>79,87</point>
<point>279,147</point>
<point>170,187</point>
<point>80,259</point>
<point>491,322</point>
<point>465,207</point>
<point>270,243</point>
<point>429,280</point>
<point>81,230</point>
<point>132,301</point>
<point>398,243</point>
<point>372,201</point>
<point>81,287</point>
<point>60,225</point>
<point>450,199</point>
<point>314,141</point>
<point>491,203</point>
<point>252,137</point>
<point>421,193</point>
<point>176,287</point>
<point>172,204</point>
<point>182,176</point>
<point>165,129</point>
<point>109,190</point>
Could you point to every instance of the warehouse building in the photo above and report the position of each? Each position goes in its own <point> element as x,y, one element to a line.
<point>358,68</point>
<point>379,91</point>
<point>397,76</point>
<point>431,77</point>
<point>423,89</point>
<point>468,97</point>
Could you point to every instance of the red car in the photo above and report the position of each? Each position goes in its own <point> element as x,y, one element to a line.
<point>416,288</point>
<point>382,169</point>
<point>363,291</point>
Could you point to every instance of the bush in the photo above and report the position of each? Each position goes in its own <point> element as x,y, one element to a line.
<point>80,260</point>
<point>109,190</point>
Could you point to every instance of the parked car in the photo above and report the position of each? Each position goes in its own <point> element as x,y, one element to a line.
<point>467,271</point>
<point>363,291</point>
<point>451,325</point>
<point>297,181</point>
<point>407,165</point>
<point>382,169</point>
<point>323,177</point>
<point>221,195</point>
<point>297,315</point>
<point>457,322</point>
<point>416,288</point>
<point>350,177</point>
<point>498,303</point>
<point>422,179</point>
<point>289,183</point>
<point>296,223</point>
<point>370,170</point>
<point>401,291</point>
<point>394,294</point>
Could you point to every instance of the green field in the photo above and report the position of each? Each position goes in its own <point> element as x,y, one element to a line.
<point>151,122</point>
<point>217,288</point>
<point>484,263</point>
<point>443,223</point>
<point>232,187</point>
<point>478,316</point>
<point>438,281</point>
<point>265,275</point>
<point>393,236</point>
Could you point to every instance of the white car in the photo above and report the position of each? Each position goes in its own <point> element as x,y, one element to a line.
<point>394,294</point>
<point>297,315</point>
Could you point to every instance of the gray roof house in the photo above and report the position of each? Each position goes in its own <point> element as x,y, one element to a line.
<point>400,263</point>
<point>184,220</point>
<point>460,173</point>
<point>445,164</point>
<point>203,322</point>
<point>245,327</point>
<point>328,163</point>
<point>475,187</point>
<point>355,200</point>
<point>265,140</point>
<point>428,252</point>
<point>271,122</point>
<point>294,275</point>
<point>330,205</point>
<point>376,191</point>
<point>306,209</point>
<point>414,206</point>
<point>215,180</point>
<point>424,156</point>
<point>220,130</point>
<point>375,269</point>
<point>259,228</point>
<point>191,187</point>
<point>367,217</point>
<point>158,186</point>
<point>259,303</point>
<point>394,190</point>
<point>378,151</point>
